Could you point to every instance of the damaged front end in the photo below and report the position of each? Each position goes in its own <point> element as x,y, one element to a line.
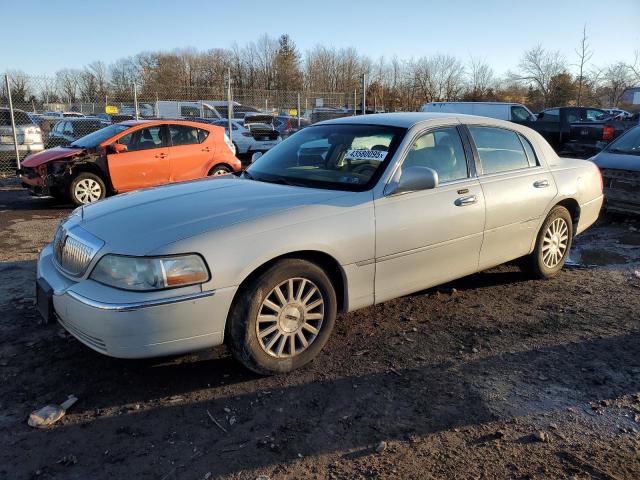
<point>48,179</point>
<point>621,190</point>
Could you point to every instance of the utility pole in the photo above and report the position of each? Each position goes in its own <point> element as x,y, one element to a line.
<point>229,105</point>
<point>298,110</point>
<point>364,93</point>
<point>135,101</point>
<point>13,122</point>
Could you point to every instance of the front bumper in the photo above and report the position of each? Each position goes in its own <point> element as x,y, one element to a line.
<point>136,324</point>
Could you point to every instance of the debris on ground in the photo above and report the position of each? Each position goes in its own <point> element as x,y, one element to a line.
<point>50,414</point>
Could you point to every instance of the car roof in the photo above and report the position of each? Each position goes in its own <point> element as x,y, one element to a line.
<point>410,119</point>
<point>133,123</point>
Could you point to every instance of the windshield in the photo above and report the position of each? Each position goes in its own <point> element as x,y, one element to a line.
<point>344,157</point>
<point>629,143</point>
<point>94,139</point>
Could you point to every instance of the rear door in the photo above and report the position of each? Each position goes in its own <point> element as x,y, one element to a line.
<point>191,150</point>
<point>144,164</point>
<point>517,189</point>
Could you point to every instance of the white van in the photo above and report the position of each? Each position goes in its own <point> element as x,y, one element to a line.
<point>215,109</point>
<point>513,112</point>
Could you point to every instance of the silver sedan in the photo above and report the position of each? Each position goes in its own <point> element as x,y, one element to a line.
<point>342,215</point>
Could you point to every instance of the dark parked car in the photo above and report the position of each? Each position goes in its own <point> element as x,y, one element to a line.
<point>576,130</point>
<point>288,125</point>
<point>619,164</point>
<point>71,129</point>
<point>109,119</point>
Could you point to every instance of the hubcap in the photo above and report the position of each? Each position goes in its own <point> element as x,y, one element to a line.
<point>554,244</point>
<point>87,190</point>
<point>219,172</point>
<point>290,318</point>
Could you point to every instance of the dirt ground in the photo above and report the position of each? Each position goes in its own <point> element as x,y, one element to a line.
<point>491,376</point>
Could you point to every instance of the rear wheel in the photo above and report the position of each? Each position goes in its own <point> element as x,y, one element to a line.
<point>552,245</point>
<point>281,320</point>
<point>219,170</point>
<point>87,188</point>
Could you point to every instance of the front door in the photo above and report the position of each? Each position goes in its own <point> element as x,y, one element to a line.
<point>144,164</point>
<point>429,237</point>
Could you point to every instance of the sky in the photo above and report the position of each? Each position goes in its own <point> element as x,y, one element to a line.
<point>70,34</point>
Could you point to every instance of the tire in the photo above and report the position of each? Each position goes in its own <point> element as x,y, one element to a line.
<point>549,255</point>
<point>87,188</point>
<point>219,170</point>
<point>259,346</point>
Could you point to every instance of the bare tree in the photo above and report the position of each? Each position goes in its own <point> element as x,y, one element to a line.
<point>68,81</point>
<point>614,80</point>
<point>481,78</point>
<point>538,67</point>
<point>584,55</point>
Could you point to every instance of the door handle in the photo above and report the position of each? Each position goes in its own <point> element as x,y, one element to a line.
<point>541,183</point>
<point>161,155</point>
<point>464,201</point>
<point>206,149</point>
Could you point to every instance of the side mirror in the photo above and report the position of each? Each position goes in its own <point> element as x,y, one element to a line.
<point>118,148</point>
<point>256,156</point>
<point>413,179</point>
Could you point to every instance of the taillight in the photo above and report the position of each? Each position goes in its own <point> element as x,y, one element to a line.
<point>607,133</point>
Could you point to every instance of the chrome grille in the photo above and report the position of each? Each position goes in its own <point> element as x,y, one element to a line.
<point>74,250</point>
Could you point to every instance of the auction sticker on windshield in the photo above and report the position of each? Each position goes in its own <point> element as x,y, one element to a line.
<point>378,155</point>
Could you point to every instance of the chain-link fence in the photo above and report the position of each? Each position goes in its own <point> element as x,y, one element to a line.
<point>37,113</point>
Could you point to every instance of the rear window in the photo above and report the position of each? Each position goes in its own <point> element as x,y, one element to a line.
<point>20,117</point>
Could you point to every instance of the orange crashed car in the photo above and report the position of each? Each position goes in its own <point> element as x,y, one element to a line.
<point>128,156</point>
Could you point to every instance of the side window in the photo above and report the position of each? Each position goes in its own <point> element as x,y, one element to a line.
<point>593,115</point>
<point>500,150</point>
<point>58,127</point>
<point>442,151</point>
<point>183,135</point>
<point>68,128</point>
<point>520,114</point>
<point>142,139</point>
<point>202,135</point>
<point>531,154</point>
<point>552,115</point>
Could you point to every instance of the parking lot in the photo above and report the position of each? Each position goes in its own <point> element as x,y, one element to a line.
<point>492,376</point>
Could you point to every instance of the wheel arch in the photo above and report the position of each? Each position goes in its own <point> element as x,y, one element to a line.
<point>571,204</point>
<point>92,167</point>
<point>220,164</point>
<point>323,260</point>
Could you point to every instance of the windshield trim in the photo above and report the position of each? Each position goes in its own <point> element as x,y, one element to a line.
<point>399,132</point>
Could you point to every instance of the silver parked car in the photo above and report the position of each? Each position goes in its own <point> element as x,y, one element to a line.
<point>339,216</point>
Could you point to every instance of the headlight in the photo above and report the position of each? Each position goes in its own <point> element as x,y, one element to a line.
<point>150,273</point>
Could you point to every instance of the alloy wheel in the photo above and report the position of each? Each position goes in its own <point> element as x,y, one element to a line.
<point>555,241</point>
<point>290,318</point>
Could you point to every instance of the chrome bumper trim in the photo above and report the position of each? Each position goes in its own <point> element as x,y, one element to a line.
<point>129,307</point>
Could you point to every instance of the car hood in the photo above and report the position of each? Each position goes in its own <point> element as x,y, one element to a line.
<point>617,161</point>
<point>58,153</point>
<point>138,223</point>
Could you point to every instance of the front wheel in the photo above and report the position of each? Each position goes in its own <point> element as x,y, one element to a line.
<point>281,320</point>
<point>87,188</point>
<point>552,245</point>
